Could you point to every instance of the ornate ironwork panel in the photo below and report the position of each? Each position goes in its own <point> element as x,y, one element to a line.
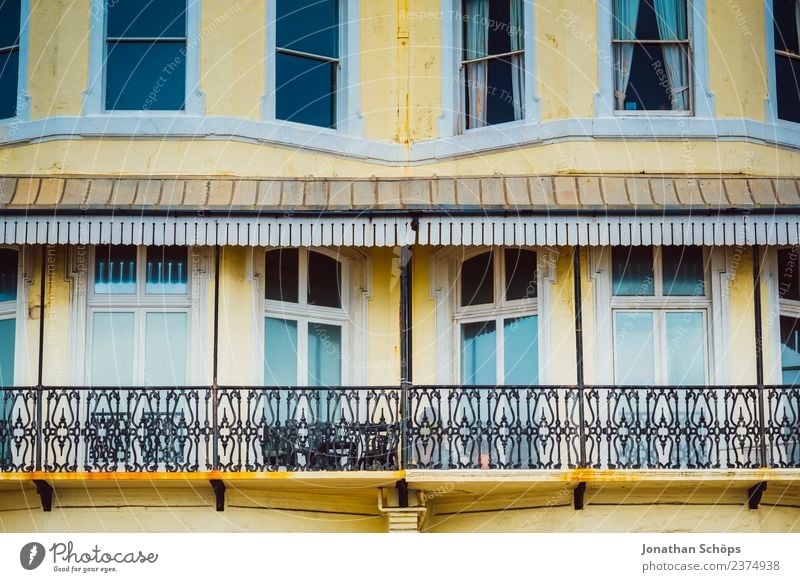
<point>668,427</point>
<point>18,431</point>
<point>492,427</point>
<point>782,414</point>
<point>308,429</point>
<point>127,429</point>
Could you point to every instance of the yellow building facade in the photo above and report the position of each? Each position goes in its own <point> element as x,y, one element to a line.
<point>479,265</point>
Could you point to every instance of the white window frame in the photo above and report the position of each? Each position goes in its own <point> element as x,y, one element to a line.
<point>771,102</point>
<point>701,100</point>
<point>349,120</point>
<point>23,100</point>
<point>718,272</point>
<point>351,316</point>
<point>140,304</point>
<point>445,282</point>
<point>776,307</point>
<point>94,96</point>
<point>451,120</point>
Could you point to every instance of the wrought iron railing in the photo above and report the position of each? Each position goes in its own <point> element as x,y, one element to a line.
<point>238,429</point>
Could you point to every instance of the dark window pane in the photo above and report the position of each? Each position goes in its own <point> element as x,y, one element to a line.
<point>684,274</point>
<point>477,280</point>
<point>790,350</point>
<point>146,18</point>
<point>499,27</point>
<point>787,81</point>
<point>145,75</point>
<point>309,26</point>
<point>324,280</point>
<point>789,274</point>
<point>9,79</point>
<point>520,274</point>
<point>647,24</point>
<point>9,22</point>
<point>305,90</point>
<point>282,275</point>
<point>785,26</point>
<point>167,270</point>
<point>649,87</point>
<point>115,269</point>
<point>632,271</point>
<point>8,274</point>
<point>500,93</point>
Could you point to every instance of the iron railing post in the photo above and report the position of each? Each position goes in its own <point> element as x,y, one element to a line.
<point>576,277</point>
<point>405,349</point>
<point>40,375</point>
<point>759,337</point>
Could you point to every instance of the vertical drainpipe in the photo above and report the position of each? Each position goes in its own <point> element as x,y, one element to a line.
<point>576,278</point>
<point>406,378</point>
<point>759,337</point>
<point>40,375</point>
<point>215,364</point>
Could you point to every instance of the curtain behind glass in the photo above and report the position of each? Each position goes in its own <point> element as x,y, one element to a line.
<point>671,17</point>
<point>476,14</point>
<point>517,62</point>
<point>626,14</point>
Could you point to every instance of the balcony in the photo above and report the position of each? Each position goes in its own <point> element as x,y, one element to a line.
<point>246,430</point>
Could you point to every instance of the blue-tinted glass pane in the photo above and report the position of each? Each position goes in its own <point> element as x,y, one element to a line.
<point>9,22</point>
<point>632,271</point>
<point>521,350</point>
<point>634,349</point>
<point>324,280</point>
<point>9,79</point>
<point>309,26</point>
<point>282,278</point>
<point>146,76</point>
<point>305,90</point>
<point>8,274</point>
<point>324,355</point>
<point>7,330</point>
<point>479,353</point>
<point>112,349</point>
<point>520,274</point>
<point>685,351</point>
<point>790,350</point>
<point>684,274</point>
<point>146,18</point>
<point>165,349</point>
<point>115,269</point>
<point>477,280</point>
<point>166,270</point>
<point>280,352</point>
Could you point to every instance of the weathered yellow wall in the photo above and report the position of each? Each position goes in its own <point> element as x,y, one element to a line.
<point>236,320</point>
<point>383,331</point>
<point>202,158</point>
<point>566,63</point>
<point>737,60</point>
<point>561,363</point>
<point>57,343</point>
<point>741,330</point>
<point>424,314</point>
<point>379,69</point>
<point>58,61</point>
<point>232,58</point>
<point>425,68</point>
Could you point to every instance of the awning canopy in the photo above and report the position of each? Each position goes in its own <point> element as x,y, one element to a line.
<point>389,231</point>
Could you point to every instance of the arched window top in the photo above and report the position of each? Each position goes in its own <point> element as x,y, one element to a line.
<point>304,277</point>
<point>514,269</point>
<point>9,260</point>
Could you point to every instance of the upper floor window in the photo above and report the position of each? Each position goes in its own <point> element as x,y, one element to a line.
<point>9,264</point>
<point>787,58</point>
<point>660,312</point>
<point>651,45</point>
<point>492,62</point>
<point>789,305</point>
<point>306,319</point>
<point>496,318</point>
<point>145,55</point>
<point>307,62</point>
<point>10,21</point>
<point>139,307</point>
